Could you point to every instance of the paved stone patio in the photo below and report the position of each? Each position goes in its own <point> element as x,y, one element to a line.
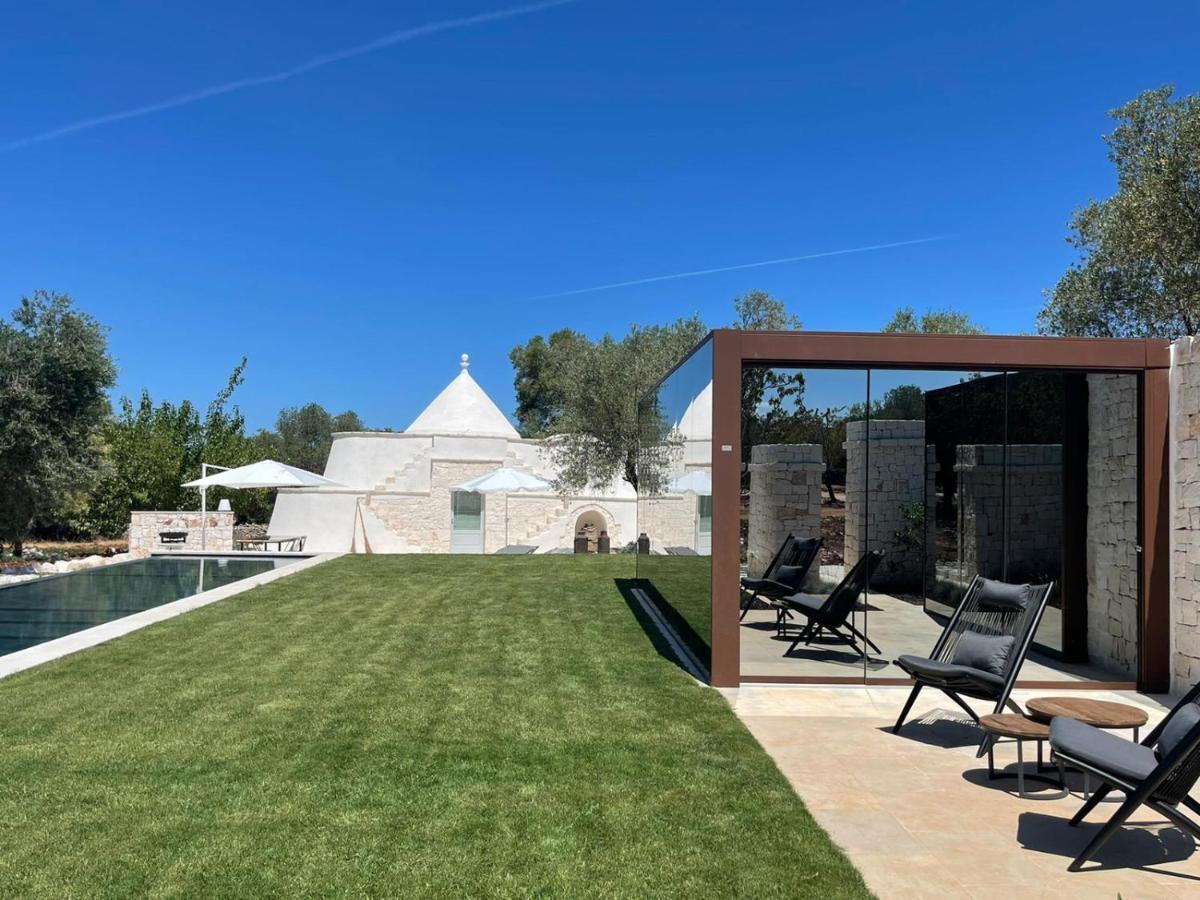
<point>918,816</point>
<point>897,627</point>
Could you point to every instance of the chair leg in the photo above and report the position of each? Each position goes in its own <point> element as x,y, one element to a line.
<point>1178,818</point>
<point>912,698</point>
<point>800,637</point>
<point>1105,834</point>
<point>963,704</point>
<point>1087,807</point>
<point>862,637</point>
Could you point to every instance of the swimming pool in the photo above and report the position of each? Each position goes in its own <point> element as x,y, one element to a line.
<point>34,612</point>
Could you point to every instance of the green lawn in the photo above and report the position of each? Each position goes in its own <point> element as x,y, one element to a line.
<point>397,726</point>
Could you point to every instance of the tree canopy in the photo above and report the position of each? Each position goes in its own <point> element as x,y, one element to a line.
<point>54,373</point>
<point>150,450</point>
<point>932,321</point>
<point>304,434</point>
<point>1139,267</point>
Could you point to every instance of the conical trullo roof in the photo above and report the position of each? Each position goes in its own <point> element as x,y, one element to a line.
<point>463,408</point>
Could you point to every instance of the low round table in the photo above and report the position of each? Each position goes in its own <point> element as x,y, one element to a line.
<point>1104,714</point>
<point>1019,729</point>
<point>1097,713</point>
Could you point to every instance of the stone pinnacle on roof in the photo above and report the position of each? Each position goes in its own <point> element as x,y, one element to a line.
<point>463,408</point>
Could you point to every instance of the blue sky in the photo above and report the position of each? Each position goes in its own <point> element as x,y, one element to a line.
<point>354,228</point>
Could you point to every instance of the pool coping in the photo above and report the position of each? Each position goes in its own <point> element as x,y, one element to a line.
<point>100,634</point>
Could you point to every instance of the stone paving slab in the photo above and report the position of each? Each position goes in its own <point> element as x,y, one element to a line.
<point>918,816</point>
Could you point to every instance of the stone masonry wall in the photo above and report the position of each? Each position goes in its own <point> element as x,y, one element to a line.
<point>886,484</point>
<point>1112,522</point>
<point>668,521</point>
<point>785,496</point>
<point>1185,532</point>
<point>1034,496</point>
<point>423,520</point>
<point>145,528</point>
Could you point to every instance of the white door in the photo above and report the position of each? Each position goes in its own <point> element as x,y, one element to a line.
<point>466,522</point>
<point>704,524</point>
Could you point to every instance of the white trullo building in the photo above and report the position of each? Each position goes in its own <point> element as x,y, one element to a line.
<point>399,492</point>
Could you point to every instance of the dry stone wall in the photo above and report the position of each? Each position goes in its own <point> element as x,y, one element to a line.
<point>1185,533</point>
<point>886,484</point>
<point>147,527</point>
<point>1112,523</point>
<point>785,496</point>
<point>1033,494</point>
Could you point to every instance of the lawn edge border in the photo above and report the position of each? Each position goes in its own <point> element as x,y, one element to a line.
<point>683,653</point>
<point>100,634</point>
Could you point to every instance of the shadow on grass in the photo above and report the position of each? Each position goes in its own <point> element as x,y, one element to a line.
<point>684,631</point>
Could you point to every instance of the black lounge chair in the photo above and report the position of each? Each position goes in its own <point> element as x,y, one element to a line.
<point>982,647</point>
<point>785,575</point>
<point>832,613</point>
<point>1159,772</point>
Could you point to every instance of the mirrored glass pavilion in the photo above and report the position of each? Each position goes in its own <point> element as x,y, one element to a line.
<point>1025,459</point>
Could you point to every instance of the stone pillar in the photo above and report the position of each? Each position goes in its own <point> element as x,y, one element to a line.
<point>886,484</point>
<point>1112,522</point>
<point>785,496</point>
<point>1185,532</point>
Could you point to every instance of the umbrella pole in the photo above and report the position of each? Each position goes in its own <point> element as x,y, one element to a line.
<point>506,518</point>
<point>203,509</point>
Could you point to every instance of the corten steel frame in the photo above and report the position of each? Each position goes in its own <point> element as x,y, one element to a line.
<point>1145,358</point>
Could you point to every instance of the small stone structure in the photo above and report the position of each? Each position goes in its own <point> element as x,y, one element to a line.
<point>146,528</point>
<point>1112,522</point>
<point>886,485</point>
<point>785,496</point>
<point>1185,533</point>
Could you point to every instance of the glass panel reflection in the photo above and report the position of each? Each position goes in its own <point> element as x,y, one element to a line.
<point>674,475</point>
<point>795,488</point>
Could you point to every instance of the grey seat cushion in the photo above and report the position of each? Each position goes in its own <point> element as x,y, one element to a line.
<point>808,604</point>
<point>983,651</point>
<point>766,587</point>
<point>1101,749</point>
<point>1182,721</point>
<point>949,674</point>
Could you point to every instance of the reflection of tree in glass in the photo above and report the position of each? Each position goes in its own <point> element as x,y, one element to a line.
<point>659,445</point>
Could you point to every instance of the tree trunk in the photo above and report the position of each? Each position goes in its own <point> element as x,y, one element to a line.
<point>18,547</point>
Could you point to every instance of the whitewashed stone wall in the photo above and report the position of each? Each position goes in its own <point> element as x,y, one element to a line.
<point>668,521</point>
<point>884,482</point>
<point>1112,521</point>
<point>1185,537</point>
<point>785,496</point>
<point>146,526</point>
<point>422,519</point>
<point>1034,496</point>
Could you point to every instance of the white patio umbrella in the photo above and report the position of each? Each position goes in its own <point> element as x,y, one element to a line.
<point>698,481</point>
<point>264,474</point>
<point>506,481</point>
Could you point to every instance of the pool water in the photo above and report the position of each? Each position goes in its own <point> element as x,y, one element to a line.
<point>33,612</point>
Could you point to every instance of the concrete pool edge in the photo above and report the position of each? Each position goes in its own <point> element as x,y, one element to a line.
<point>100,634</point>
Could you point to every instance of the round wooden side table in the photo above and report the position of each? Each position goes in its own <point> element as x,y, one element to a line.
<point>1020,729</point>
<point>1105,714</point>
<point>1098,713</point>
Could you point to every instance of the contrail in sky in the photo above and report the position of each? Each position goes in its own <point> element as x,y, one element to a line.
<point>753,265</point>
<point>229,87</point>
